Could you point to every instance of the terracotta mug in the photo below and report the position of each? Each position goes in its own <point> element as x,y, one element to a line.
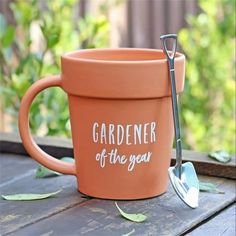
<point>121,120</point>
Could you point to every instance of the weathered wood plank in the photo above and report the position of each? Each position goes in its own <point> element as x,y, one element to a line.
<point>222,224</point>
<point>175,16</point>
<point>58,147</point>
<point>207,166</point>
<point>23,167</point>
<point>140,23</point>
<point>14,215</point>
<point>159,10</point>
<point>167,215</point>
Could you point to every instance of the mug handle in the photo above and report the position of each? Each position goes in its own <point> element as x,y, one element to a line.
<point>23,122</point>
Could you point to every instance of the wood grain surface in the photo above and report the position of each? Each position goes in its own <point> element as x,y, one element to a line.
<point>59,147</point>
<point>223,224</point>
<point>69,213</point>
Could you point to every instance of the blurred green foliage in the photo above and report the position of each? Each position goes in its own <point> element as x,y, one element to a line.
<point>207,105</point>
<point>208,102</point>
<point>54,26</point>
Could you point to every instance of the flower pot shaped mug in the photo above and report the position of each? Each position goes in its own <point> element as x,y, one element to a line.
<point>121,120</point>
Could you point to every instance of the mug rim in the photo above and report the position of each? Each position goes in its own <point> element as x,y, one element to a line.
<point>82,55</point>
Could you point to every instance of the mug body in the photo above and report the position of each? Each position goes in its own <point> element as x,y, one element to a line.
<point>121,120</point>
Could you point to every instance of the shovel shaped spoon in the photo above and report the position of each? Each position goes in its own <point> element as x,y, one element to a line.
<point>183,177</point>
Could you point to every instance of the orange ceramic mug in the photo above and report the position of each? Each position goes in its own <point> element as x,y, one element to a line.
<point>121,120</point>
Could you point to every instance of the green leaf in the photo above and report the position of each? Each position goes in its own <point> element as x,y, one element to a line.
<point>68,159</point>
<point>8,37</point>
<point>43,172</point>
<point>221,156</point>
<point>132,217</point>
<point>29,196</point>
<point>53,39</point>
<point>209,187</point>
<point>130,233</point>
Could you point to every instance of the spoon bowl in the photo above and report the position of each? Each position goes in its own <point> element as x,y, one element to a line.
<point>187,186</point>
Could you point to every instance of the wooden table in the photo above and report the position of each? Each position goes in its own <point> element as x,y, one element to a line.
<point>71,213</point>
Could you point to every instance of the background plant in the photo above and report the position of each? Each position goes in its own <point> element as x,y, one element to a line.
<point>208,103</point>
<point>31,49</point>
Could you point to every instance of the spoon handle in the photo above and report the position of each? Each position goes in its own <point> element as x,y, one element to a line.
<point>170,58</point>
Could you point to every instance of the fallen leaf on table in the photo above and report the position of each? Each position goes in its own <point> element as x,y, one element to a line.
<point>68,159</point>
<point>221,156</point>
<point>44,172</point>
<point>130,233</point>
<point>132,217</point>
<point>209,187</point>
<point>29,196</point>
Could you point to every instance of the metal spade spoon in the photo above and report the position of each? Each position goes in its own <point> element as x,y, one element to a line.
<point>183,177</point>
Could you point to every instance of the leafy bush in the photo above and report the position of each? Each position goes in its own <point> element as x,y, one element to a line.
<point>208,105</point>
<point>31,50</point>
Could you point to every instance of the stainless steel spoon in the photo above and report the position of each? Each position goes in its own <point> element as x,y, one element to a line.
<point>183,177</point>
